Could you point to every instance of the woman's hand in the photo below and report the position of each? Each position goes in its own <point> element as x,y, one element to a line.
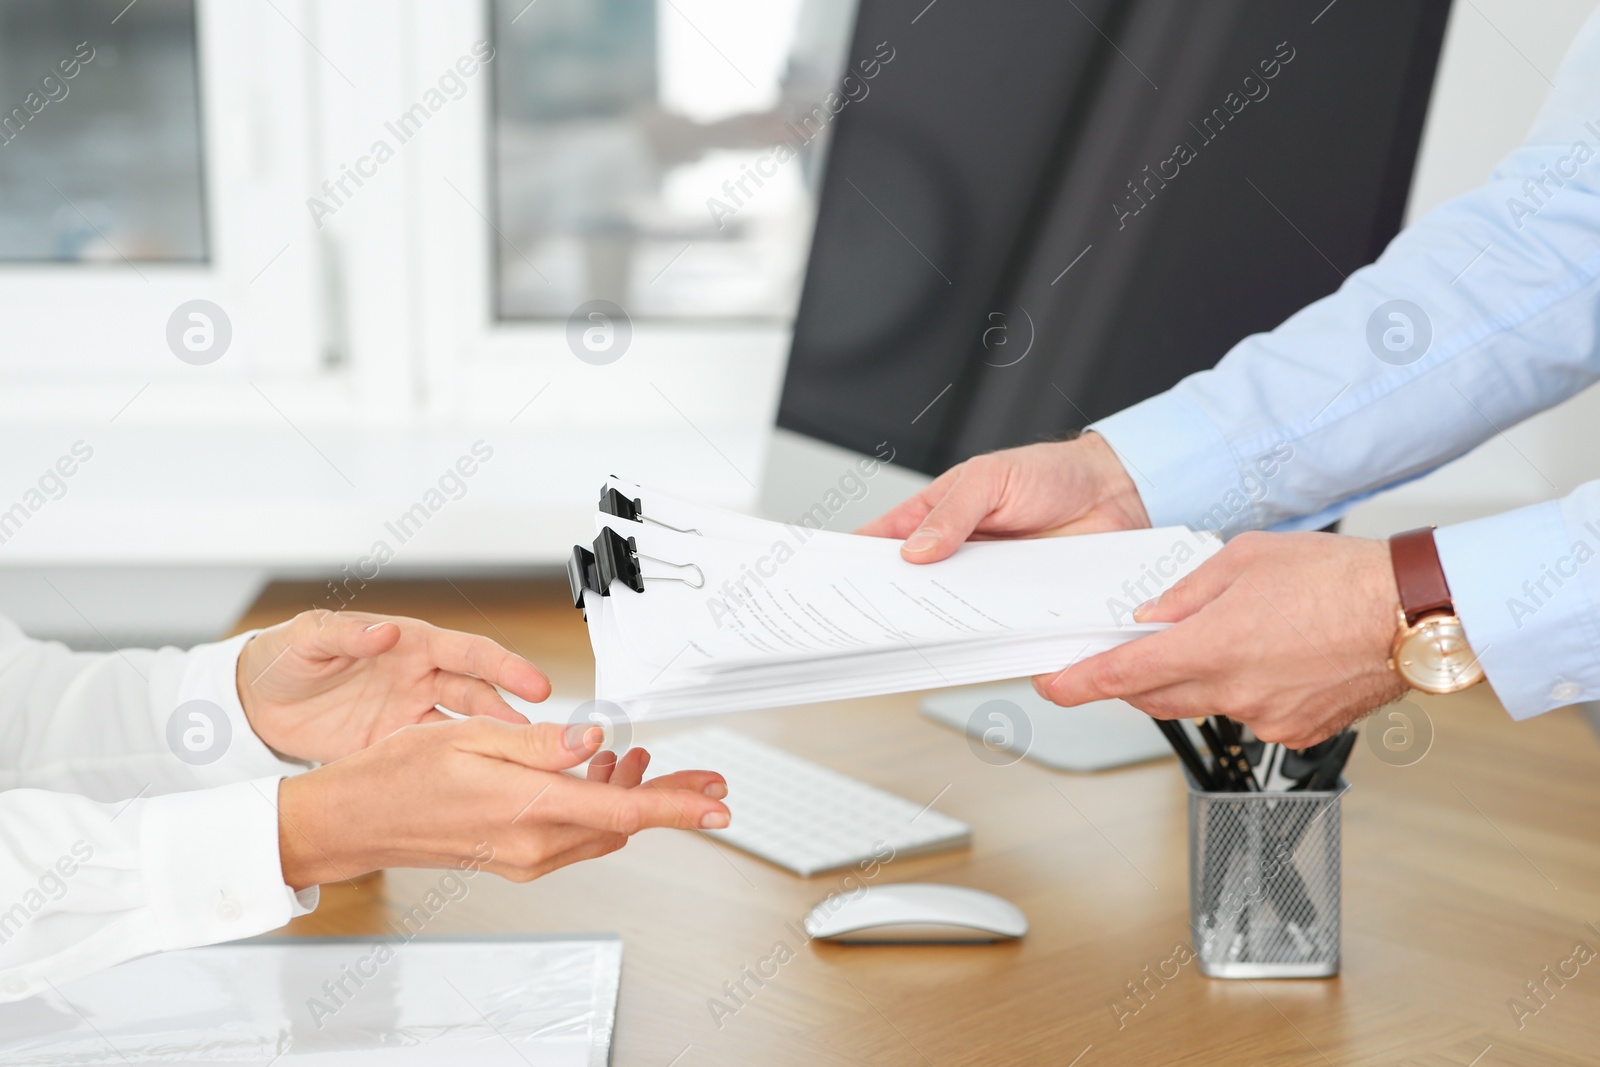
<point>484,793</point>
<point>326,684</point>
<point>1068,487</point>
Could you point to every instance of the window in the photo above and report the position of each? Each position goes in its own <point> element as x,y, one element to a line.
<point>633,153</point>
<point>399,205</point>
<point>154,154</point>
<point>100,140</point>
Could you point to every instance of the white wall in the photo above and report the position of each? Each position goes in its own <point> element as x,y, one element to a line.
<point>1499,56</point>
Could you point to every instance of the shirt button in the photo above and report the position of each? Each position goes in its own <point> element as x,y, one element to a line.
<point>16,985</point>
<point>1566,692</point>
<point>229,910</point>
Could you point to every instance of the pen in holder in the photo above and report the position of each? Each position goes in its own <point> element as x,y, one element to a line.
<point>1264,882</point>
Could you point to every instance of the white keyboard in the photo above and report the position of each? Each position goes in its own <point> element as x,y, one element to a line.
<point>799,814</point>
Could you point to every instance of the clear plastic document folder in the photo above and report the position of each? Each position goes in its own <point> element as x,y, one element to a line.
<point>347,1001</point>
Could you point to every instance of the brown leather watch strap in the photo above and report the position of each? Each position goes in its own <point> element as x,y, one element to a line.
<point>1419,575</point>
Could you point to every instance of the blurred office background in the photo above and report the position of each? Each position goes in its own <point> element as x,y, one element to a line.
<point>390,311</point>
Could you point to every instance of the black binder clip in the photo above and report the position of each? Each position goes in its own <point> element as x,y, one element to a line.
<point>582,573</point>
<point>616,558</point>
<point>613,502</point>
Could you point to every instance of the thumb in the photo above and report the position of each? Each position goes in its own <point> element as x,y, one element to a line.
<point>972,496</point>
<point>1190,593</point>
<point>543,746</point>
<point>907,515</point>
<point>326,634</point>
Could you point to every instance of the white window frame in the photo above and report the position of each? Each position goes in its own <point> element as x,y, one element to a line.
<point>397,285</point>
<point>705,372</point>
<point>393,323</point>
<point>66,319</point>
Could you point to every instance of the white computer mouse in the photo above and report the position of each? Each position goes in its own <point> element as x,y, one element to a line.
<point>916,912</point>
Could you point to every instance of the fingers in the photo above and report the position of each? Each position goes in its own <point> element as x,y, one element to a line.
<point>601,766</point>
<point>325,634</point>
<point>544,746</point>
<point>1141,665</point>
<point>462,653</point>
<point>628,772</point>
<point>906,516</point>
<point>1190,700</point>
<point>534,854</point>
<point>710,783</point>
<point>625,771</point>
<point>630,768</point>
<point>466,695</point>
<point>627,811</point>
<point>1186,700</point>
<point>897,521</point>
<point>595,846</point>
<point>973,494</point>
<point>1199,587</point>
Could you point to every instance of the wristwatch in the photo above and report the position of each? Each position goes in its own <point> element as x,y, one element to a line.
<point>1430,653</point>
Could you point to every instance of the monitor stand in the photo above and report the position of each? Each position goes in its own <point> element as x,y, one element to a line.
<point>1008,720</point>
<point>818,484</point>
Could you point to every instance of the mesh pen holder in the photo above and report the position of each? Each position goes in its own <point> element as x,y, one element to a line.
<point>1264,883</point>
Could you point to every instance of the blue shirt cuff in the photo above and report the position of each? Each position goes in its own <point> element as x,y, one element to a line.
<point>1519,589</point>
<point>1184,468</point>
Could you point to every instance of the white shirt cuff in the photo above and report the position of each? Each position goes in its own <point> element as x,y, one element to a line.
<point>209,689</point>
<point>1181,464</point>
<point>211,865</point>
<point>1531,625</point>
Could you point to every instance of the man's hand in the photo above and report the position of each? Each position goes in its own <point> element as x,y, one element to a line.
<point>484,793</point>
<point>1068,487</point>
<point>326,684</point>
<point>1289,633</point>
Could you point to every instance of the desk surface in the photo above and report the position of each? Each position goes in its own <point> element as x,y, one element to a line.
<point>1465,876</point>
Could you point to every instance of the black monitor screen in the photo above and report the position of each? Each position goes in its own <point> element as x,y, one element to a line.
<point>1045,211</point>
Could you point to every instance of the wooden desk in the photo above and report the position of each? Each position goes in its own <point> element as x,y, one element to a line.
<point>1465,875</point>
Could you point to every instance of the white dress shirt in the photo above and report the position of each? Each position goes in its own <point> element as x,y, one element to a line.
<point>111,845</point>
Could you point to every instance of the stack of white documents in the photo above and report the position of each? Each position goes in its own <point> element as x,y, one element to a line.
<point>726,612</point>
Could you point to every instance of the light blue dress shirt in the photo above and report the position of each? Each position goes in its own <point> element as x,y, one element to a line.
<point>1482,313</point>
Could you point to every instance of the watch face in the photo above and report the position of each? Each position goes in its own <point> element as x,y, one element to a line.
<point>1435,657</point>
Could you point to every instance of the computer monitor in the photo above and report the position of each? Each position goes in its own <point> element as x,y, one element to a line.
<point>1043,212</point>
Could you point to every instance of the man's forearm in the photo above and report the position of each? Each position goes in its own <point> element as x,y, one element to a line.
<point>1343,400</point>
